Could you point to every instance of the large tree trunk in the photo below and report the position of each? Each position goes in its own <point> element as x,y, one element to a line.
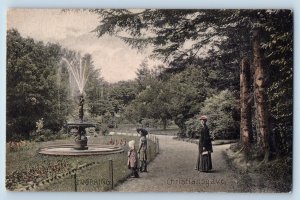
<point>245,126</point>
<point>260,95</point>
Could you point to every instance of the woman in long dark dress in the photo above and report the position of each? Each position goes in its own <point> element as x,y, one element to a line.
<point>204,162</point>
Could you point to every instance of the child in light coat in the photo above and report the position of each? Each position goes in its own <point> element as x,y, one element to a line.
<point>133,159</point>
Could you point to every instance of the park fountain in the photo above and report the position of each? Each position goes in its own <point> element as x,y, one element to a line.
<point>79,74</point>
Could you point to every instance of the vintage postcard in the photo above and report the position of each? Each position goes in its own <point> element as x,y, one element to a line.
<point>149,100</point>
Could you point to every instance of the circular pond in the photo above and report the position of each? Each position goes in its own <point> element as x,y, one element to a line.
<point>68,150</point>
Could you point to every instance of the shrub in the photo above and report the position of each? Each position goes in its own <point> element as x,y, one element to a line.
<point>149,123</point>
<point>40,138</point>
<point>193,127</point>
<point>104,129</point>
<point>20,145</point>
<point>222,110</point>
<point>39,125</point>
<point>45,135</point>
<point>62,136</point>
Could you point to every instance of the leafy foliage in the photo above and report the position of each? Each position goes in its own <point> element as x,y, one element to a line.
<point>214,41</point>
<point>38,87</point>
<point>32,88</point>
<point>279,51</point>
<point>193,127</point>
<point>222,110</point>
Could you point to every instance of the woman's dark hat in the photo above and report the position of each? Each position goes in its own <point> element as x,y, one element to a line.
<point>142,131</point>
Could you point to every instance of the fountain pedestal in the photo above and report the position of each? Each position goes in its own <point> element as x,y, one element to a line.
<point>80,135</point>
<point>81,145</point>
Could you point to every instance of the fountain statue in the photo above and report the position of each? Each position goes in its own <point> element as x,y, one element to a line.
<point>81,101</point>
<point>80,138</point>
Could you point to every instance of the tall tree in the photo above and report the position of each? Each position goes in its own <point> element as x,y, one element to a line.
<point>33,91</point>
<point>245,104</point>
<point>94,87</point>
<point>260,89</point>
<point>122,93</point>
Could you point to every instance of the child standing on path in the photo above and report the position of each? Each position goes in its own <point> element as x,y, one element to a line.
<point>133,159</point>
<point>142,151</point>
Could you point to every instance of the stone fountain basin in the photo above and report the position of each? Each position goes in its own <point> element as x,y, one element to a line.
<point>68,150</point>
<point>81,124</point>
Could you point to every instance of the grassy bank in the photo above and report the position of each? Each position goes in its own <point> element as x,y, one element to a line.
<point>275,175</point>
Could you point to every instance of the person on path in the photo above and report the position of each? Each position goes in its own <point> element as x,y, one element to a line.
<point>142,151</point>
<point>132,162</point>
<point>204,162</point>
<point>142,131</point>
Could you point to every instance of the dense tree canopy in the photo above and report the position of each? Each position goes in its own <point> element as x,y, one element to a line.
<point>216,41</point>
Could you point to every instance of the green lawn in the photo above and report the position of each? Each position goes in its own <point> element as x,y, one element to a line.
<point>25,167</point>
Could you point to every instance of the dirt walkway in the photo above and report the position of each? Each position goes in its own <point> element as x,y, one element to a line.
<point>173,171</point>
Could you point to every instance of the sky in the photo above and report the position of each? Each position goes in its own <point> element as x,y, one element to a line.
<point>73,30</point>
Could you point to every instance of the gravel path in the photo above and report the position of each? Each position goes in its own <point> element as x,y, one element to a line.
<point>173,171</point>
